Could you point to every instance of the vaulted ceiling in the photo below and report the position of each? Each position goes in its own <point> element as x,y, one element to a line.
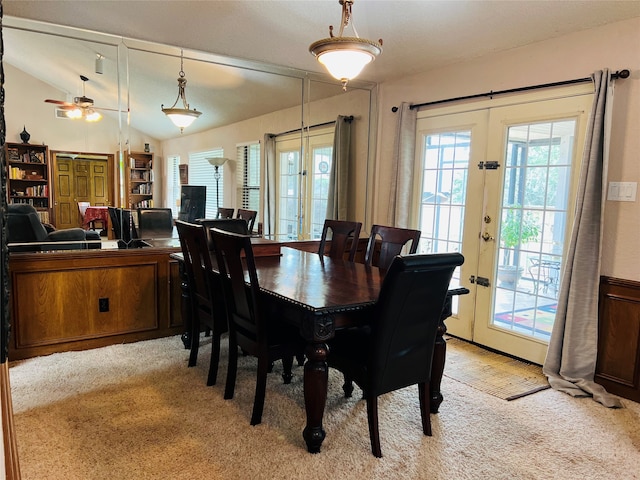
<point>417,36</point>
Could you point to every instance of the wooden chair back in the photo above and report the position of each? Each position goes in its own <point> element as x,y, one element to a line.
<point>392,241</point>
<point>225,212</point>
<point>248,327</point>
<point>205,292</point>
<point>341,231</point>
<point>249,216</point>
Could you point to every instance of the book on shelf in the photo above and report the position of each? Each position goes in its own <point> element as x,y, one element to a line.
<point>13,154</point>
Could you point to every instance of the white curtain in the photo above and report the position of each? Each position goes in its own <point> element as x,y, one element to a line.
<point>269,184</point>
<point>571,357</point>
<point>403,162</point>
<point>337,201</point>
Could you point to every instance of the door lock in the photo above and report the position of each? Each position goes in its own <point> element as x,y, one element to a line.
<point>486,237</point>
<point>487,219</point>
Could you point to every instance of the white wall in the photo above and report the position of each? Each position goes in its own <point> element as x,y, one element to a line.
<point>354,102</point>
<point>614,46</point>
<point>25,107</point>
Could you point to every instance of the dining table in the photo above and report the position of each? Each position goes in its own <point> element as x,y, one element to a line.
<point>321,295</point>
<point>96,213</point>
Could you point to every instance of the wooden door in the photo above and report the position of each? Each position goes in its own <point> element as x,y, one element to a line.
<point>78,180</point>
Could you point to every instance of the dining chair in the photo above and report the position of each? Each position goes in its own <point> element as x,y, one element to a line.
<point>392,241</point>
<point>205,292</point>
<point>82,208</point>
<point>250,327</point>
<point>249,216</point>
<point>341,231</point>
<point>225,212</point>
<point>396,349</point>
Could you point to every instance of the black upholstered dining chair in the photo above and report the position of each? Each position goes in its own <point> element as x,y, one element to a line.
<point>391,240</point>
<point>249,216</point>
<point>396,349</point>
<point>263,337</point>
<point>207,304</point>
<point>340,232</point>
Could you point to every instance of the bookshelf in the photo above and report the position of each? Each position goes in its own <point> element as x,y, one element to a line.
<point>140,180</point>
<point>28,177</point>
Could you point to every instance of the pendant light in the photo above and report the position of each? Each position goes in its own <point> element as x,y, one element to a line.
<point>181,117</point>
<point>345,57</point>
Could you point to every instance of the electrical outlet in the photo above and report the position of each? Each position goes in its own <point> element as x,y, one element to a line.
<point>103,304</point>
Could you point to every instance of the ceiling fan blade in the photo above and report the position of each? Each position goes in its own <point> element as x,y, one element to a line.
<point>59,102</point>
<point>107,109</point>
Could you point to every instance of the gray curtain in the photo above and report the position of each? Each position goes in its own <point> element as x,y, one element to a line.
<point>269,182</point>
<point>403,161</point>
<point>337,202</point>
<point>571,357</point>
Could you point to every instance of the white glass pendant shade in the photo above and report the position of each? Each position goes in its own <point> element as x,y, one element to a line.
<point>181,117</point>
<point>345,57</point>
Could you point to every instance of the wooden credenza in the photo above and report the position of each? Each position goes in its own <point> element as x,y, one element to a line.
<point>75,300</point>
<point>618,364</point>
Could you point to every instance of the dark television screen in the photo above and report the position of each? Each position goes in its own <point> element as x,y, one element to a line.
<point>193,200</point>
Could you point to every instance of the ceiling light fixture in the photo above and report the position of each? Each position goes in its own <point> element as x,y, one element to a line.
<point>181,117</point>
<point>345,57</point>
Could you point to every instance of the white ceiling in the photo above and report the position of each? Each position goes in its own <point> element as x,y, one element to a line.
<point>418,35</point>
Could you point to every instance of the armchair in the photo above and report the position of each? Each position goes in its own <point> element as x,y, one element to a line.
<point>24,227</point>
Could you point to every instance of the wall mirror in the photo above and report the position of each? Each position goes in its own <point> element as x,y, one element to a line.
<point>129,80</point>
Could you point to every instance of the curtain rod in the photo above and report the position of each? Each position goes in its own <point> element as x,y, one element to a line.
<point>346,119</point>
<point>619,74</point>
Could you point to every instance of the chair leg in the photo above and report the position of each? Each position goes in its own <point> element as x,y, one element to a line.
<point>347,387</point>
<point>287,365</point>
<point>261,388</point>
<point>374,433</point>
<point>195,345</point>
<point>232,368</point>
<point>215,359</point>
<point>300,359</point>
<point>424,394</point>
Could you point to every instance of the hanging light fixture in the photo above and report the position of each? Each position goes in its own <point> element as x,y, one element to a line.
<point>181,117</point>
<point>345,57</point>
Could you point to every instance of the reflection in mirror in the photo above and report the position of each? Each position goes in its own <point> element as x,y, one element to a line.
<point>241,101</point>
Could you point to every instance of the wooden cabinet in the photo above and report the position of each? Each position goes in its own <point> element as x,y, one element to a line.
<point>618,364</point>
<point>28,177</point>
<point>92,298</point>
<point>140,180</point>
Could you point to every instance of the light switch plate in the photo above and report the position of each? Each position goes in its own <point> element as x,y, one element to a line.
<point>622,191</point>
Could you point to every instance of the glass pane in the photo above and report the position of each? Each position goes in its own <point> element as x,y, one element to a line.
<point>533,226</point>
<point>444,191</point>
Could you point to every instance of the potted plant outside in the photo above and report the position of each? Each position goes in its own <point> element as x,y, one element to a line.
<point>517,227</point>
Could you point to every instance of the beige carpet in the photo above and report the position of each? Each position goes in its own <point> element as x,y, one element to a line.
<point>137,412</point>
<point>497,375</point>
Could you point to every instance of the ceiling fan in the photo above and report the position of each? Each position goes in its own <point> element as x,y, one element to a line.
<point>82,107</point>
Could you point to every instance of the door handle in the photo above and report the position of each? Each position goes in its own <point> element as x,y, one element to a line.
<point>486,237</point>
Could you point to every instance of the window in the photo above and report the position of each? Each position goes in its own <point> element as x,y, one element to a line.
<point>303,183</point>
<point>173,186</point>
<point>248,175</point>
<point>201,172</point>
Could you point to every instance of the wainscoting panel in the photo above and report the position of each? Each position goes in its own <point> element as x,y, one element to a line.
<point>618,364</point>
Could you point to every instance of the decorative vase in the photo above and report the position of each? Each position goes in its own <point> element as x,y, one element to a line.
<point>24,135</point>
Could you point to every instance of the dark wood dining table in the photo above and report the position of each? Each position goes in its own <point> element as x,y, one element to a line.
<point>321,295</point>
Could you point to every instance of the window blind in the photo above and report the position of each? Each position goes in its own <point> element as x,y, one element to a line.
<point>201,172</point>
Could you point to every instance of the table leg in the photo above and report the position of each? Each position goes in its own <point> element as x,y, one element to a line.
<point>185,307</point>
<point>315,395</point>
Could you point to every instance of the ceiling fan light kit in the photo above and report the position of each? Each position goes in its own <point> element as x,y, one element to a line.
<point>345,57</point>
<point>181,117</point>
<point>82,106</point>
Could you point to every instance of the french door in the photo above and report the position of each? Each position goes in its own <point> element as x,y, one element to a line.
<point>498,185</point>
